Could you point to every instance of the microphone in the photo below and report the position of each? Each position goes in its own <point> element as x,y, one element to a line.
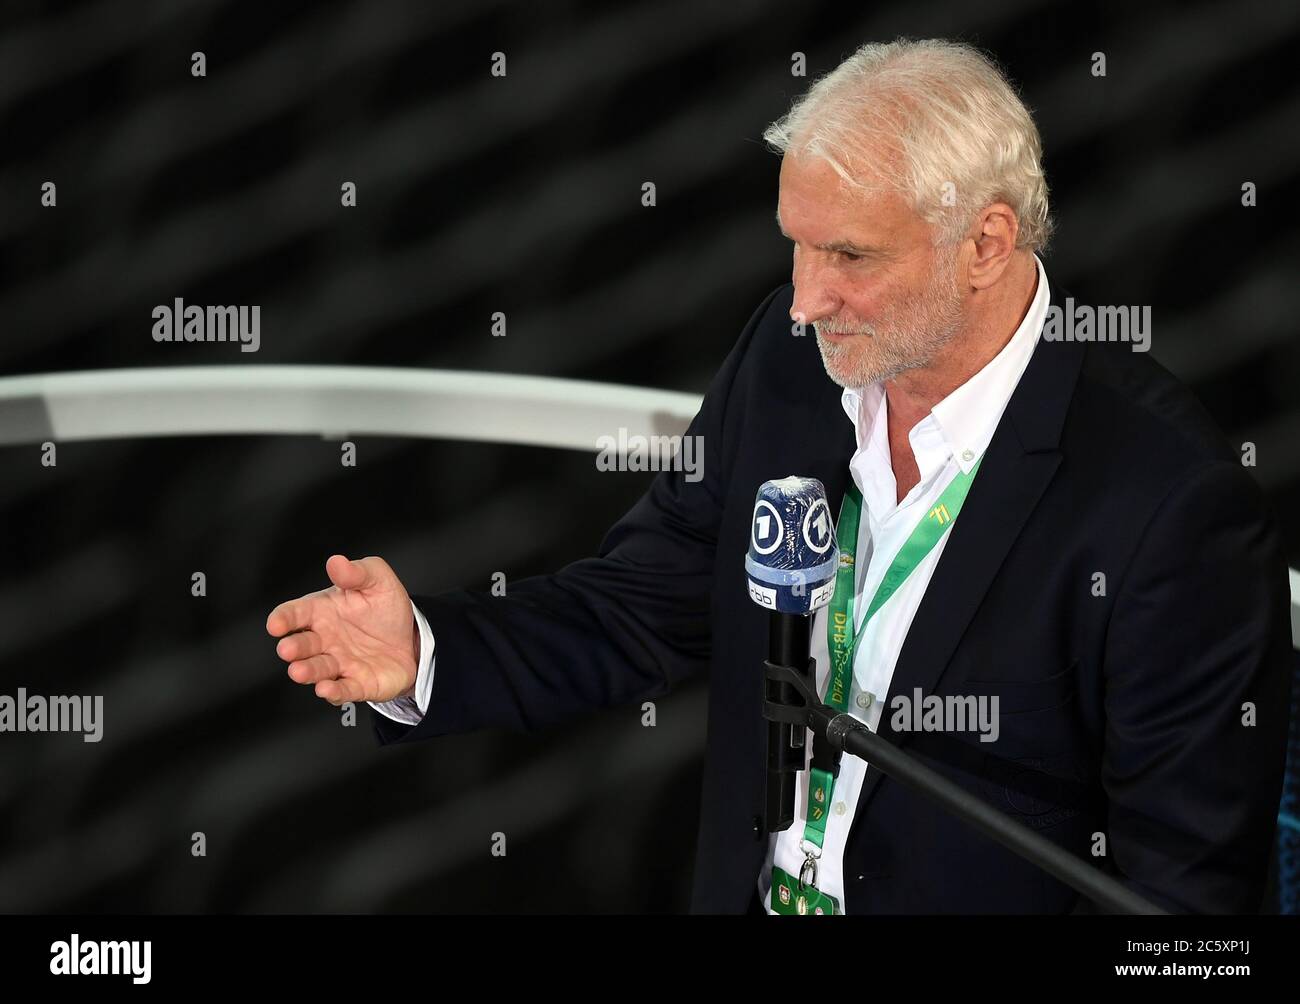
<point>791,572</point>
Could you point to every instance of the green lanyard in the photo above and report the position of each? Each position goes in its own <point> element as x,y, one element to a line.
<point>841,642</point>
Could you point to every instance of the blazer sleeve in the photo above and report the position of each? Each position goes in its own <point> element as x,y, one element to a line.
<point>1197,683</point>
<point>624,625</point>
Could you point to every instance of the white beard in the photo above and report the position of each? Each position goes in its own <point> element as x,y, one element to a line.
<point>907,336</point>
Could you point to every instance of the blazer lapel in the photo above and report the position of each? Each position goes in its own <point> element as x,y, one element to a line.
<point>1019,464</point>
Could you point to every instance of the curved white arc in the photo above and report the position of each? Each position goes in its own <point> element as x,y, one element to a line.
<point>1295,608</point>
<point>338,401</point>
<point>333,401</point>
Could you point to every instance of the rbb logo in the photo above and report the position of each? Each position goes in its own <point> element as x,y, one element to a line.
<point>768,529</point>
<point>817,527</point>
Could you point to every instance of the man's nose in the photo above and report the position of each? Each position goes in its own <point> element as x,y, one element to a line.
<point>814,299</point>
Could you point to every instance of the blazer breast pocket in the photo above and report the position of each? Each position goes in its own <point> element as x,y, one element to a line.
<point>1025,696</point>
<point>1031,765</point>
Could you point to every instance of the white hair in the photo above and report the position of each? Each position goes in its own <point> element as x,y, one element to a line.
<point>935,121</point>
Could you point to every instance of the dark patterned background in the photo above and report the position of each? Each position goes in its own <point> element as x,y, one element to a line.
<point>479,194</point>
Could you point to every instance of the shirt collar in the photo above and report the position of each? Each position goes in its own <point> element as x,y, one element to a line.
<point>965,420</point>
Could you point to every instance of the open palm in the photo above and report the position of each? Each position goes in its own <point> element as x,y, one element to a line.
<point>356,640</point>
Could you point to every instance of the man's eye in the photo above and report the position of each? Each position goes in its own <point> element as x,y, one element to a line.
<point>849,256</point>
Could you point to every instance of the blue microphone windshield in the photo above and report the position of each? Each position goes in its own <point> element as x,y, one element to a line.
<point>792,552</point>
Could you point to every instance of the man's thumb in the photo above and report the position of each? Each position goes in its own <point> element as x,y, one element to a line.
<point>348,574</point>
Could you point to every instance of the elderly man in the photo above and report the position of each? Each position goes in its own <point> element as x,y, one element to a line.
<point>1107,577</point>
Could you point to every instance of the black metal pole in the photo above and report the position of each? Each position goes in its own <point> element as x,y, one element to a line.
<point>788,641</point>
<point>846,733</point>
<point>798,704</point>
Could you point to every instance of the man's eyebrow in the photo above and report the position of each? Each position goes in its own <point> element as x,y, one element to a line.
<point>848,246</point>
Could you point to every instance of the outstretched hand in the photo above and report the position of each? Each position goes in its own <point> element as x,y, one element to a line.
<point>356,640</point>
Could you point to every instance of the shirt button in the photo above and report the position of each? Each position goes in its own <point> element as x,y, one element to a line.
<point>864,700</point>
<point>967,455</point>
<point>840,808</point>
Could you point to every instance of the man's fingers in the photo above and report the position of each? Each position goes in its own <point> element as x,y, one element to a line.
<point>291,615</point>
<point>339,691</point>
<point>323,671</point>
<point>300,645</point>
<point>314,669</point>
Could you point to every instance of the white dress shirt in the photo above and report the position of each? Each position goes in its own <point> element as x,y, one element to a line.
<point>952,437</point>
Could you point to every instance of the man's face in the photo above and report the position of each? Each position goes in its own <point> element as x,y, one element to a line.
<point>880,297</point>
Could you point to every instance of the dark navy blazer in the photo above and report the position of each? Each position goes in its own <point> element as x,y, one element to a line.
<point>1121,714</point>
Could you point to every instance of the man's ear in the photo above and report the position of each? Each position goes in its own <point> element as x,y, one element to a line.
<point>994,237</point>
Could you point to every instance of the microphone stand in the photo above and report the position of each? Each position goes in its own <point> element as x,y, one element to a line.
<point>788,641</point>
<point>846,734</point>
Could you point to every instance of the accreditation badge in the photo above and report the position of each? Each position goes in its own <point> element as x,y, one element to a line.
<point>789,897</point>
